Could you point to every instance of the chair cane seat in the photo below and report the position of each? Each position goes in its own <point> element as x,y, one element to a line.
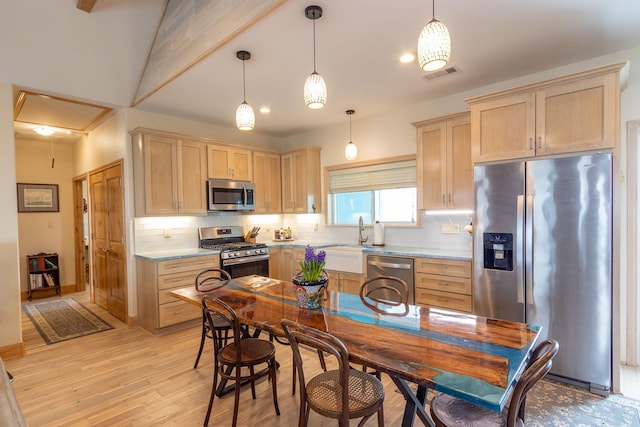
<point>454,412</point>
<point>448,411</point>
<point>324,392</point>
<point>254,351</point>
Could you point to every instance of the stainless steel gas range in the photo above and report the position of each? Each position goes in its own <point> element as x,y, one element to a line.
<point>237,257</point>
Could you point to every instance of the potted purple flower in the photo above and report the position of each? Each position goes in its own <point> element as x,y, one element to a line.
<point>311,281</point>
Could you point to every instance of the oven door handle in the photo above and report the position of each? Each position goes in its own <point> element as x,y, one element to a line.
<point>236,261</point>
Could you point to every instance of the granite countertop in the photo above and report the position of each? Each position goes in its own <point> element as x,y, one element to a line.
<point>408,251</point>
<point>176,254</point>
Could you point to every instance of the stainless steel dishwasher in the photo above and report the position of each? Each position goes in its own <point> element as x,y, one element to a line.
<point>402,268</point>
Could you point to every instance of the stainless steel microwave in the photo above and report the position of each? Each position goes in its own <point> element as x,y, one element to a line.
<point>225,195</point>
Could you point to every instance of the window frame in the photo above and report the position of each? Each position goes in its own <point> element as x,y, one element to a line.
<point>375,162</point>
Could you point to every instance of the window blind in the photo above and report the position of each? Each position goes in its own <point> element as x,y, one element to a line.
<point>401,174</point>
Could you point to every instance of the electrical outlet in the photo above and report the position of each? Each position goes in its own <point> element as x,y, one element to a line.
<point>450,228</point>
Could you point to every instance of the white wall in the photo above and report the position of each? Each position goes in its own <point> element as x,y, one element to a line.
<point>10,332</point>
<point>49,232</point>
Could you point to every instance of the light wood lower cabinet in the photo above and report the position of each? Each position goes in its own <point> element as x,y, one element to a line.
<point>284,263</point>
<point>444,283</point>
<point>156,308</point>
<point>345,282</point>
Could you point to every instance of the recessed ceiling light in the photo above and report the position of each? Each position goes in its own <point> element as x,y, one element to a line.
<point>265,110</point>
<point>407,57</point>
<point>44,130</point>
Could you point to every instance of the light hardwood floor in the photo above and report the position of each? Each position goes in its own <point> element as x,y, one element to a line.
<point>128,377</point>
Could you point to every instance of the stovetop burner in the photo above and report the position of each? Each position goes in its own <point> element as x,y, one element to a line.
<point>230,242</point>
<point>230,246</point>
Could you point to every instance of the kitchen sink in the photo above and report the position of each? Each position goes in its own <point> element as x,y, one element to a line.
<point>349,259</point>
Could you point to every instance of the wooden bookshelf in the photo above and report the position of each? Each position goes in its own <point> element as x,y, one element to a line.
<point>44,273</point>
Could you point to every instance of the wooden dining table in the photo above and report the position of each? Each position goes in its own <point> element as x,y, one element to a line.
<point>473,358</point>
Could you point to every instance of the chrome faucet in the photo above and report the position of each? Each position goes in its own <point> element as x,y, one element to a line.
<point>361,238</point>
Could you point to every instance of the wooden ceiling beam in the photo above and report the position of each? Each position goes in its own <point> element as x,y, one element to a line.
<point>86,5</point>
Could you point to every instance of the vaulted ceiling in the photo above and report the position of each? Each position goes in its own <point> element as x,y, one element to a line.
<point>95,52</point>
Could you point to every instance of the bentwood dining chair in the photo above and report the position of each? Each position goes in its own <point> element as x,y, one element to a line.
<point>206,281</point>
<point>447,411</point>
<point>237,360</point>
<point>342,393</point>
<point>384,294</point>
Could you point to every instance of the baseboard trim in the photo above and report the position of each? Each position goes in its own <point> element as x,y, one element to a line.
<point>12,351</point>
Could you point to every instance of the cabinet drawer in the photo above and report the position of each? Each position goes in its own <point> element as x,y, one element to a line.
<point>178,280</point>
<point>446,300</point>
<point>459,285</point>
<point>186,264</point>
<point>444,267</point>
<point>177,312</point>
<point>164,297</point>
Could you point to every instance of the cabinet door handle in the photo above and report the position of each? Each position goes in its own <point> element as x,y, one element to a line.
<point>530,143</point>
<point>443,198</point>
<point>450,198</point>
<point>539,142</point>
<point>105,249</point>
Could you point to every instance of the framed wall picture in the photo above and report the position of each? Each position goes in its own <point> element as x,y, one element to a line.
<point>38,198</point>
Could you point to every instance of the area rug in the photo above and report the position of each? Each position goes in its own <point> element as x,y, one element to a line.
<point>64,319</point>
<point>551,403</point>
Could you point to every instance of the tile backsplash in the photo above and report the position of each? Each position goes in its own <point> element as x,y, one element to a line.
<point>165,233</point>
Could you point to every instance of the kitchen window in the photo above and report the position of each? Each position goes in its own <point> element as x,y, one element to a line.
<point>383,191</point>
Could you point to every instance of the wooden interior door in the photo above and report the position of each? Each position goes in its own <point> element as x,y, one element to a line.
<point>108,248</point>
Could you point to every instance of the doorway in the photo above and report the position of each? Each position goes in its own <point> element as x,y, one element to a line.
<point>107,239</point>
<point>99,228</point>
<point>81,234</point>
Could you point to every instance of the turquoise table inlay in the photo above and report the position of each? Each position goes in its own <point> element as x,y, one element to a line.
<point>470,357</point>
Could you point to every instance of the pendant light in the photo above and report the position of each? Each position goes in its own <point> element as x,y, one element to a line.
<point>434,44</point>
<point>245,118</point>
<point>350,151</point>
<point>315,89</point>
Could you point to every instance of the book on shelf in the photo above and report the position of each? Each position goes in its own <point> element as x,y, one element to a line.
<point>36,281</point>
<point>49,264</point>
<point>51,281</point>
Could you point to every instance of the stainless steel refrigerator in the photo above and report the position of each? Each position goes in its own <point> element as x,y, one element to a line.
<point>542,241</point>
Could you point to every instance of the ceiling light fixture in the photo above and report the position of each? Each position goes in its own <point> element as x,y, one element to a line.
<point>315,89</point>
<point>350,151</point>
<point>245,118</point>
<point>434,44</point>
<point>44,130</point>
<point>407,57</point>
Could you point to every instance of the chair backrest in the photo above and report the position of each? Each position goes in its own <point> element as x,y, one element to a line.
<point>539,365</point>
<point>211,279</point>
<point>380,291</point>
<point>297,335</point>
<point>213,307</point>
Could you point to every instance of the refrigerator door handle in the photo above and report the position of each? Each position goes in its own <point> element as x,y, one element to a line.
<point>519,249</point>
<point>528,280</point>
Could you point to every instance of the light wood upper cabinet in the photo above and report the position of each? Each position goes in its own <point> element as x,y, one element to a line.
<point>226,162</point>
<point>301,181</point>
<point>169,174</point>
<point>444,167</point>
<point>575,113</point>
<point>267,182</point>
